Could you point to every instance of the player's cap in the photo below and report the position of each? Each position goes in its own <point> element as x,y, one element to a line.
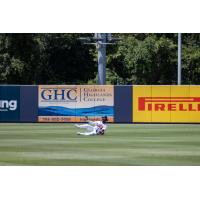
<point>105,118</point>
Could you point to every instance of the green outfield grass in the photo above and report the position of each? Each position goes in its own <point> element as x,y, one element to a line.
<point>123,144</point>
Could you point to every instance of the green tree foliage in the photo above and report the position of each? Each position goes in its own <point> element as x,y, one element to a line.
<point>191,59</point>
<point>67,60</point>
<point>152,59</point>
<point>148,61</point>
<point>44,59</point>
<point>142,58</point>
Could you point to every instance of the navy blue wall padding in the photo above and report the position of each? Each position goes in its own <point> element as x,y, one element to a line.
<point>29,103</point>
<point>123,103</point>
<point>9,103</point>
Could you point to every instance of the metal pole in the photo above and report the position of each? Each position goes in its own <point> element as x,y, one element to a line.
<point>101,58</point>
<point>179,58</point>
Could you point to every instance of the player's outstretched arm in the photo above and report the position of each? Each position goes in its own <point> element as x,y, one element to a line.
<point>89,121</point>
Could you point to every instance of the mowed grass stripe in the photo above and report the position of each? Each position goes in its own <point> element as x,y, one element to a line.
<point>123,144</point>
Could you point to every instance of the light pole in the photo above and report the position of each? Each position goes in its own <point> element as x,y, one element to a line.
<point>179,58</point>
<point>101,47</point>
<point>100,40</point>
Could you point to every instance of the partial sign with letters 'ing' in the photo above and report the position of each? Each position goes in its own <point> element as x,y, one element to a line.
<point>9,103</point>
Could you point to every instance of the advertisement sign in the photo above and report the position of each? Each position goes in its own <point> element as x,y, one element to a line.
<point>166,104</point>
<point>9,103</point>
<point>160,97</point>
<point>68,103</point>
<point>140,113</point>
<point>194,116</point>
<point>180,104</point>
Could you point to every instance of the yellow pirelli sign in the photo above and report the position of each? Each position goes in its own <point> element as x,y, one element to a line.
<point>166,104</point>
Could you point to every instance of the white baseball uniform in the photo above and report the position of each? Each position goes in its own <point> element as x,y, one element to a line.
<point>93,128</point>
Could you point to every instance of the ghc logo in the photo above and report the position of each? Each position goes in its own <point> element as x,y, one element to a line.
<point>6,105</point>
<point>67,94</point>
<point>169,103</point>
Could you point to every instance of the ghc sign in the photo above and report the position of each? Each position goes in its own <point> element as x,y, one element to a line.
<point>56,94</point>
<point>169,104</point>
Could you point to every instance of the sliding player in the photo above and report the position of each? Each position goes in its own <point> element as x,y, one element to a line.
<point>94,127</point>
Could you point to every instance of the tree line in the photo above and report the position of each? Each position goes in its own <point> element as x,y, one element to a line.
<point>63,59</point>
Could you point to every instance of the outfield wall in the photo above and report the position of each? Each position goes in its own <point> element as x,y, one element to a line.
<point>122,104</point>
